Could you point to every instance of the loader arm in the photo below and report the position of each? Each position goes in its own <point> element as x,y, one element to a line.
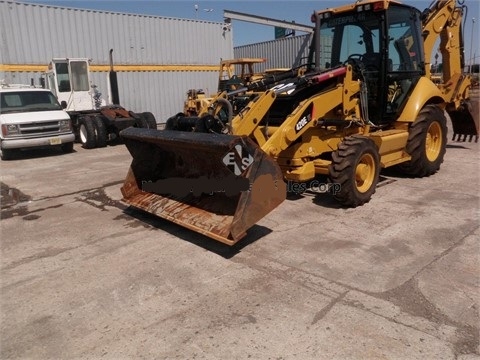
<point>249,121</point>
<point>314,110</point>
<point>335,108</point>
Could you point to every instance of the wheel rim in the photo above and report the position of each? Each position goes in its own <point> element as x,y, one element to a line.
<point>365,173</point>
<point>433,142</point>
<point>83,134</point>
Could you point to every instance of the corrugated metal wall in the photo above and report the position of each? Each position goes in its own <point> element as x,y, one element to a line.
<point>34,34</point>
<point>282,53</point>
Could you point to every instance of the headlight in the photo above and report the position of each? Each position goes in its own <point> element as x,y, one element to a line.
<point>10,129</point>
<point>65,125</point>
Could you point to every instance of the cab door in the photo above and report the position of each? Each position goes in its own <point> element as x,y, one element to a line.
<point>73,84</point>
<point>405,57</point>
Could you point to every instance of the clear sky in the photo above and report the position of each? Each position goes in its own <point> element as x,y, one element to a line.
<point>247,33</point>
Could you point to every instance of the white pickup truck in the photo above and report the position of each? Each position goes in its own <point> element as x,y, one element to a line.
<point>32,117</point>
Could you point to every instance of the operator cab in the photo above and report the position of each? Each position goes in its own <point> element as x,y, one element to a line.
<point>382,44</point>
<point>69,80</point>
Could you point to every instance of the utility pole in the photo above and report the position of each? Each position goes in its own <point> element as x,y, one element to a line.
<point>471,47</point>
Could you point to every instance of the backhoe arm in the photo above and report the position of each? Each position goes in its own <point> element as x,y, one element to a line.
<point>443,19</point>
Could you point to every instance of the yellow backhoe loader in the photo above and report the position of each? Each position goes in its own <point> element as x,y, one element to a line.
<point>368,104</point>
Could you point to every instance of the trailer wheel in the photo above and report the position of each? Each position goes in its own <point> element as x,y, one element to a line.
<point>427,141</point>
<point>87,133</point>
<point>67,147</point>
<point>149,120</point>
<point>139,120</point>
<point>356,168</point>
<point>100,131</point>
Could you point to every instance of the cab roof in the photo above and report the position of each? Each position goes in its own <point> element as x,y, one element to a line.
<point>20,87</point>
<point>384,4</point>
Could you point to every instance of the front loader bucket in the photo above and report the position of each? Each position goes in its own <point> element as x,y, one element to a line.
<point>217,185</point>
<point>465,120</point>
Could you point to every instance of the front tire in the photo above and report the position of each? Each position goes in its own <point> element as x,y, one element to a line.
<point>427,141</point>
<point>356,168</point>
<point>87,133</point>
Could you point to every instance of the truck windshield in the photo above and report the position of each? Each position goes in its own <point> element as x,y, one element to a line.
<point>28,101</point>
<point>62,77</point>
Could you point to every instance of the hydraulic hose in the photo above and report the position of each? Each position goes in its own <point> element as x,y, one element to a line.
<point>230,112</point>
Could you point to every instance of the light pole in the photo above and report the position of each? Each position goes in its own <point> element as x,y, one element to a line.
<point>471,46</point>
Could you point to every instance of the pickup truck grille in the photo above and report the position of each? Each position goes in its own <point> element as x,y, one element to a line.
<point>38,129</point>
<point>46,127</point>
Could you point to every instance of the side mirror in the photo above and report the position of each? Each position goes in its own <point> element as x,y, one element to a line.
<point>63,104</point>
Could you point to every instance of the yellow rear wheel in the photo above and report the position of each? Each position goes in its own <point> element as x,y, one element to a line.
<point>426,143</point>
<point>433,141</point>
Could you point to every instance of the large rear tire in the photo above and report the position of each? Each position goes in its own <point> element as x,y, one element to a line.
<point>100,131</point>
<point>87,133</point>
<point>356,168</point>
<point>426,143</point>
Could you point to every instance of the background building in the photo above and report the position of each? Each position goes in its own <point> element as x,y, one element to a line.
<point>158,59</point>
<point>281,53</point>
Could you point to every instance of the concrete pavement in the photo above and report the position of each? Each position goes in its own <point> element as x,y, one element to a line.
<point>83,276</point>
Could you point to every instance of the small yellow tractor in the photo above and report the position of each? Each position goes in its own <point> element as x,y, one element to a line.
<point>228,79</point>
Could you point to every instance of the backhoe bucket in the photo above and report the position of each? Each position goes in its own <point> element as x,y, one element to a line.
<point>465,120</point>
<point>216,185</point>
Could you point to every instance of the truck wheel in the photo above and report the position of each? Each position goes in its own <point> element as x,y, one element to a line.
<point>149,120</point>
<point>139,120</point>
<point>100,131</point>
<point>427,141</point>
<point>87,133</point>
<point>67,147</point>
<point>356,168</point>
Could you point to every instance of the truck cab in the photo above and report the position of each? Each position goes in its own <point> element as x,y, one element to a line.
<point>69,80</point>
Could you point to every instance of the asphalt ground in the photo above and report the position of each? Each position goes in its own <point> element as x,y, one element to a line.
<point>85,276</point>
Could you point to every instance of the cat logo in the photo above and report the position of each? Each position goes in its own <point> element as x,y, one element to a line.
<point>238,160</point>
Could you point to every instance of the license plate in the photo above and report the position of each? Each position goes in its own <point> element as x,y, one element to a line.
<point>55,141</point>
